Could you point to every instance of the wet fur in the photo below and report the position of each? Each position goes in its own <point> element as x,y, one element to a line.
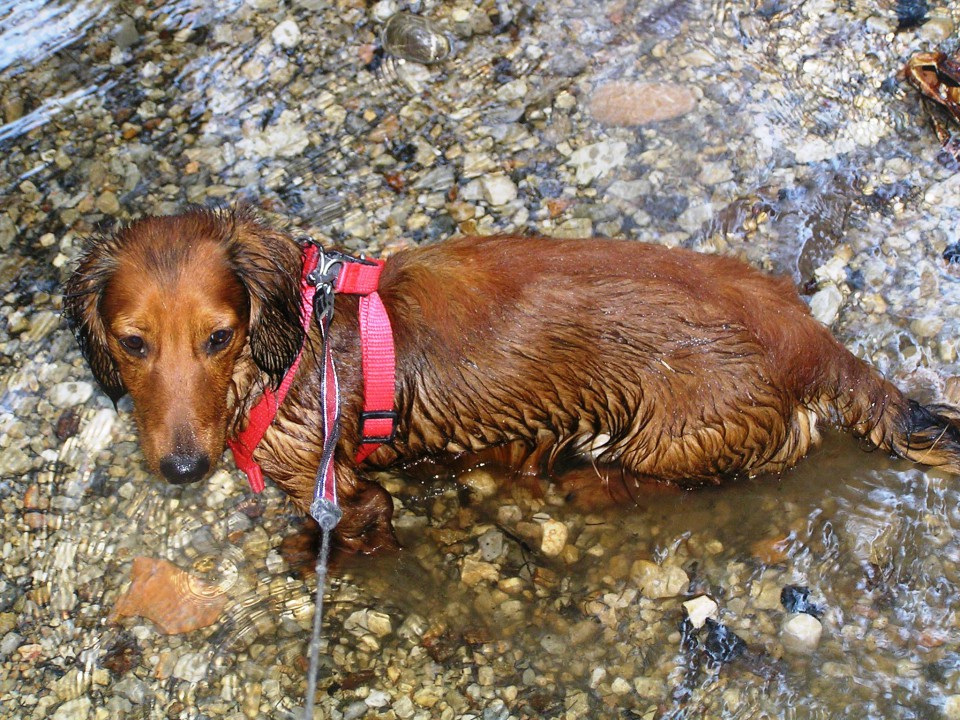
<point>671,365</point>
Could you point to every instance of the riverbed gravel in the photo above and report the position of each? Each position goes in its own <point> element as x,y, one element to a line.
<point>781,133</point>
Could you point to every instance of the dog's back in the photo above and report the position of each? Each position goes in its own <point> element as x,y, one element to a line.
<point>676,365</point>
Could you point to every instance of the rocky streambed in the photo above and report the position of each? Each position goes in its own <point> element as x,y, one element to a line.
<point>782,133</point>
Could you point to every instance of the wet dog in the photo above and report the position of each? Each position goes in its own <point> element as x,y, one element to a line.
<point>670,365</point>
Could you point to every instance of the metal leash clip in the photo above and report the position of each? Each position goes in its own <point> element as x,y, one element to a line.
<point>324,278</point>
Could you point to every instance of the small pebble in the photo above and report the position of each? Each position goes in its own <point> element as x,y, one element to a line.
<point>286,34</point>
<point>699,609</point>
<point>498,189</point>
<point>800,633</point>
<point>554,538</point>
<point>657,582</point>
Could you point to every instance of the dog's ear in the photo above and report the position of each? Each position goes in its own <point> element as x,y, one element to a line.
<point>81,308</point>
<point>268,263</point>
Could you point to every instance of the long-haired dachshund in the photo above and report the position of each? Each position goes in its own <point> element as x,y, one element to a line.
<point>671,365</point>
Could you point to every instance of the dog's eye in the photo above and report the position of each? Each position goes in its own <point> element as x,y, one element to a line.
<point>219,339</point>
<point>134,344</point>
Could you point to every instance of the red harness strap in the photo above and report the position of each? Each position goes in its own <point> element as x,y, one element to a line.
<point>378,420</point>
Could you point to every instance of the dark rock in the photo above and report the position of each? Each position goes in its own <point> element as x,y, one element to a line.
<point>911,13</point>
<point>665,207</point>
<point>796,599</point>
<point>722,644</point>
<point>952,254</point>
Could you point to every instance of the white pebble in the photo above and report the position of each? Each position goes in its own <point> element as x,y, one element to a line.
<point>69,394</point>
<point>191,667</point>
<point>384,10</point>
<point>592,161</point>
<point>825,304</point>
<point>377,699</point>
<point>554,538</point>
<point>498,189</point>
<point>801,633</point>
<point>98,432</point>
<point>620,686</point>
<point>286,34</point>
<point>699,609</point>
<point>74,709</point>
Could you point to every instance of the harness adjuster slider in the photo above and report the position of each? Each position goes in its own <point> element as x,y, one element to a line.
<point>390,415</point>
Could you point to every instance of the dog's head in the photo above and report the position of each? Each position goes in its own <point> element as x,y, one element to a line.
<point>166,308</point>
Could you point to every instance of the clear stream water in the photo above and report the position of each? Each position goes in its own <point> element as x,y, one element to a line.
<point>806,154</point>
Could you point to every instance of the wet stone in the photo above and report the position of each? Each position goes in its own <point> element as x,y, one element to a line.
<point>377,699</point>
<point>796,599</point>
<point>78,709</point>
<point>801,633</point>
<point>951,707</point>
<point>479,481</point>
<point>69,394</point>
<point>699,609</point>
<point>553,538</point>
<point>491,545</point>
<point>594,161</point>
<point>553,644</point>
<point>355,710</point>
<point>286,34</point>
<point>657,582</point>
<point>498,189</point>
<point>825,304</point>
<point>474,572</point>
<point>722,644</point>
<point>624,104</point>
<point>191,667</point>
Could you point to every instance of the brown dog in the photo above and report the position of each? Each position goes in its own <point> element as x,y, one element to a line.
<point>672,365</point>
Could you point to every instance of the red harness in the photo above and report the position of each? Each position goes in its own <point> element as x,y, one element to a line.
<point>323,275</point>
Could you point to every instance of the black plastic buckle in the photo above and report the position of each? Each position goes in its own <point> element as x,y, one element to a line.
<point>378,415</point>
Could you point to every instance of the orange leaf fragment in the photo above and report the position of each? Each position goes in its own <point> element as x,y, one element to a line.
<point>771,550</point>
<point>172,599</point>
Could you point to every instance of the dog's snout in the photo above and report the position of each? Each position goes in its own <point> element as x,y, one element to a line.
<point>184,467</point>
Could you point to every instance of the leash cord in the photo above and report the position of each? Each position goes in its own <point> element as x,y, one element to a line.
<point>312,673</point>
<point>324,508</point>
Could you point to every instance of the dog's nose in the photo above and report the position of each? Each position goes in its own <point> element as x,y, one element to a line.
<point>180,468</point>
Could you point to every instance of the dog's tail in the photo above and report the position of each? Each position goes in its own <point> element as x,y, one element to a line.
<point>866,404</point>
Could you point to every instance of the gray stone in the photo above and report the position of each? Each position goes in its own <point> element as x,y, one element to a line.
<point>69,394</point>
<point>491,545</point>
<point>594,161</point>
<point>78,709</point>
<point>657,582</point>
<point>498,189</point>
<point>191,667</point>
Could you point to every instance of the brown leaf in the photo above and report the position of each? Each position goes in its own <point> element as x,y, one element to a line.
<point>172,599</point>
<point>771,551</point>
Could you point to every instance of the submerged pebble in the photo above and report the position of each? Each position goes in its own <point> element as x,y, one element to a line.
<point>412,37</point>
<point>623,104</point>
<point>699,609</point>
<point>657,582</point>
<point>766,135</point>
<point>801,633</point>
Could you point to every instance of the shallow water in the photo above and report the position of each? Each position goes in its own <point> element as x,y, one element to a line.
<point>803,153</point>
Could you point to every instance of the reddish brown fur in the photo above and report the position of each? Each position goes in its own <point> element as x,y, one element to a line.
<point>673,365</point>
